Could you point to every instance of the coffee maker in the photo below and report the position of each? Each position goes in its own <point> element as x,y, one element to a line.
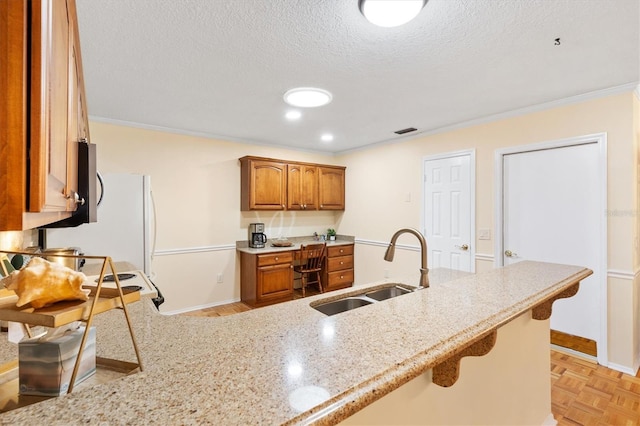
<point>257,238</point>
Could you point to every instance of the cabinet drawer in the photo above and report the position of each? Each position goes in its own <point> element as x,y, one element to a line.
<point>340,250</point>
<point>339,263</point>
<point>275,258</point>
<point>340,277</point>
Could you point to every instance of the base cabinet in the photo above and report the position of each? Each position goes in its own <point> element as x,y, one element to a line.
<point>337,271</point>
<point>266,278</point>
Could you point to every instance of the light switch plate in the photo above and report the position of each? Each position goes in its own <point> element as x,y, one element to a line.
<point>484,234</point>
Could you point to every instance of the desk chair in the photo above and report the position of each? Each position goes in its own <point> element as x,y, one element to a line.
<point>311,258</point>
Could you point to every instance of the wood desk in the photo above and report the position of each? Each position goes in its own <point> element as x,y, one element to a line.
<point>266,275</point>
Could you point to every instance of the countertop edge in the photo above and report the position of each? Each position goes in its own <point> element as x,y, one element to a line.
<point>359,396</point>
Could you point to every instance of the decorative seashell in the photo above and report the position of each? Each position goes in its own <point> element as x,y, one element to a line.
<point>43,283</point>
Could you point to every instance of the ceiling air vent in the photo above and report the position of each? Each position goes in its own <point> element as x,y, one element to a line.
<point>407,130</point>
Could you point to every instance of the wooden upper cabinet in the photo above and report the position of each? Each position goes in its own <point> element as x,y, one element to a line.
<point>45,113</point>
<point>269,184</point>
<point>263,184</point>
<point>302,187</point>
<point>53,127</point>
<point>331,188</point>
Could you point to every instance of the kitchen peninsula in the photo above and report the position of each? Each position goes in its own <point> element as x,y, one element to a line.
<point>290,364</point>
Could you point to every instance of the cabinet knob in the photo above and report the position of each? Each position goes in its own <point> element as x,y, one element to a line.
<point>76,198</point>
<point>342,263</point>
<point>276,258</point>
<point>341,276</point>
<point>341,251</point>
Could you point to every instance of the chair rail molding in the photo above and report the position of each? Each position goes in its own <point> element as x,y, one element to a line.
<point>187,250</point>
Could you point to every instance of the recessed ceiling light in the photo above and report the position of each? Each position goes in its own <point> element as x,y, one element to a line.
<point>391,13</point>
<point>327,137</point>
<point>307,97</point>
<point>293,115</point>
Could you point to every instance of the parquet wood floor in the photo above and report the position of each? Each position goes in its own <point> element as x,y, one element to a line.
<point>582,393</point>
<point>237,307</point>
<point>577,343</point>
<point>218,311</point>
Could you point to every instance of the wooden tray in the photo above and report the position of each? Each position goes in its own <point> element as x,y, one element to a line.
<point>62,313</point>
<point>281,244</point>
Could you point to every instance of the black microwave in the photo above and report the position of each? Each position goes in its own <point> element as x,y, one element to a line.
<point>87,189</point>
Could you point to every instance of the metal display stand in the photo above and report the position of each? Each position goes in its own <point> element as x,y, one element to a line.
<point>65,312</point>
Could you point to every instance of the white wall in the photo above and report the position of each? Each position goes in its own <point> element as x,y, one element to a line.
<point>508,386</point>
<point>196,185</point>
<point>196,188</point>
<point>377,207</point>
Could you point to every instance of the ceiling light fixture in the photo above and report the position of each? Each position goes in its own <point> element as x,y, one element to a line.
<point>293,115</point>
<point>307,97</point>
<point>327,137</point>
<point>391,13</point>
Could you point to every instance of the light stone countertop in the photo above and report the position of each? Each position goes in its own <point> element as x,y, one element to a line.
<point>243,246</point>
<point>288,363</point>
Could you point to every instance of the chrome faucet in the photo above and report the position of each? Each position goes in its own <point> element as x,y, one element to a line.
<point>424,271</point>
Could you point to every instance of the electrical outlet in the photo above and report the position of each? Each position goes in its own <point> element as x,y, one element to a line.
<point>220,278</point>
<point>386,273</point>
<point>484,234</point>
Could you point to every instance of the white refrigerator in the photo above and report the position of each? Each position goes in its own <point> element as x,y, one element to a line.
<point>123,229</point>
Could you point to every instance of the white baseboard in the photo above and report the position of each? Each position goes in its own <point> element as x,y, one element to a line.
<point>197,308</point>
<point>550,421</point>
<point>576,354</point>
<point>623,369</point>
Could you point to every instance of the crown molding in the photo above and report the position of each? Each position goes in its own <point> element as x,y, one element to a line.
<point>625,88</point>
<point>629,87</point>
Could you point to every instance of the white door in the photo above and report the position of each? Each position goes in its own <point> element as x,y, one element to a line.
<point>449,211</point>
<point>552,212</point>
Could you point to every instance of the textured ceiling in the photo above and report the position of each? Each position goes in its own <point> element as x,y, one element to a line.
<point>220,67</point>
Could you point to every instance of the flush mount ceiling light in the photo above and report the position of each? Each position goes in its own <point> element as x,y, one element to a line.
<point>327,137</point>
<point>307,97</point>
<point>293,115</point>
<point>390,13</point>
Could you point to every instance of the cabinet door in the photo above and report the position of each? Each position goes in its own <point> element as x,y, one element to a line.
<point>302,187</point>
<point>265,186</point>
<point>275,281</point>
<point>13,113</point>
<point>331,188</point>
<point>53,153</point>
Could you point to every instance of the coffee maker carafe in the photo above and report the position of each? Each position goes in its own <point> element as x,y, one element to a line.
<point>257,238</point>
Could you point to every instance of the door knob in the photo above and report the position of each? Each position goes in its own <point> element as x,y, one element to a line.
<point>463,247</point>
<point>510,253</point>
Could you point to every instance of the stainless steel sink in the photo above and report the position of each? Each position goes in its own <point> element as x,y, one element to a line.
<point>357,300</point>
<point>342,305</point>
<point>387,293</point>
